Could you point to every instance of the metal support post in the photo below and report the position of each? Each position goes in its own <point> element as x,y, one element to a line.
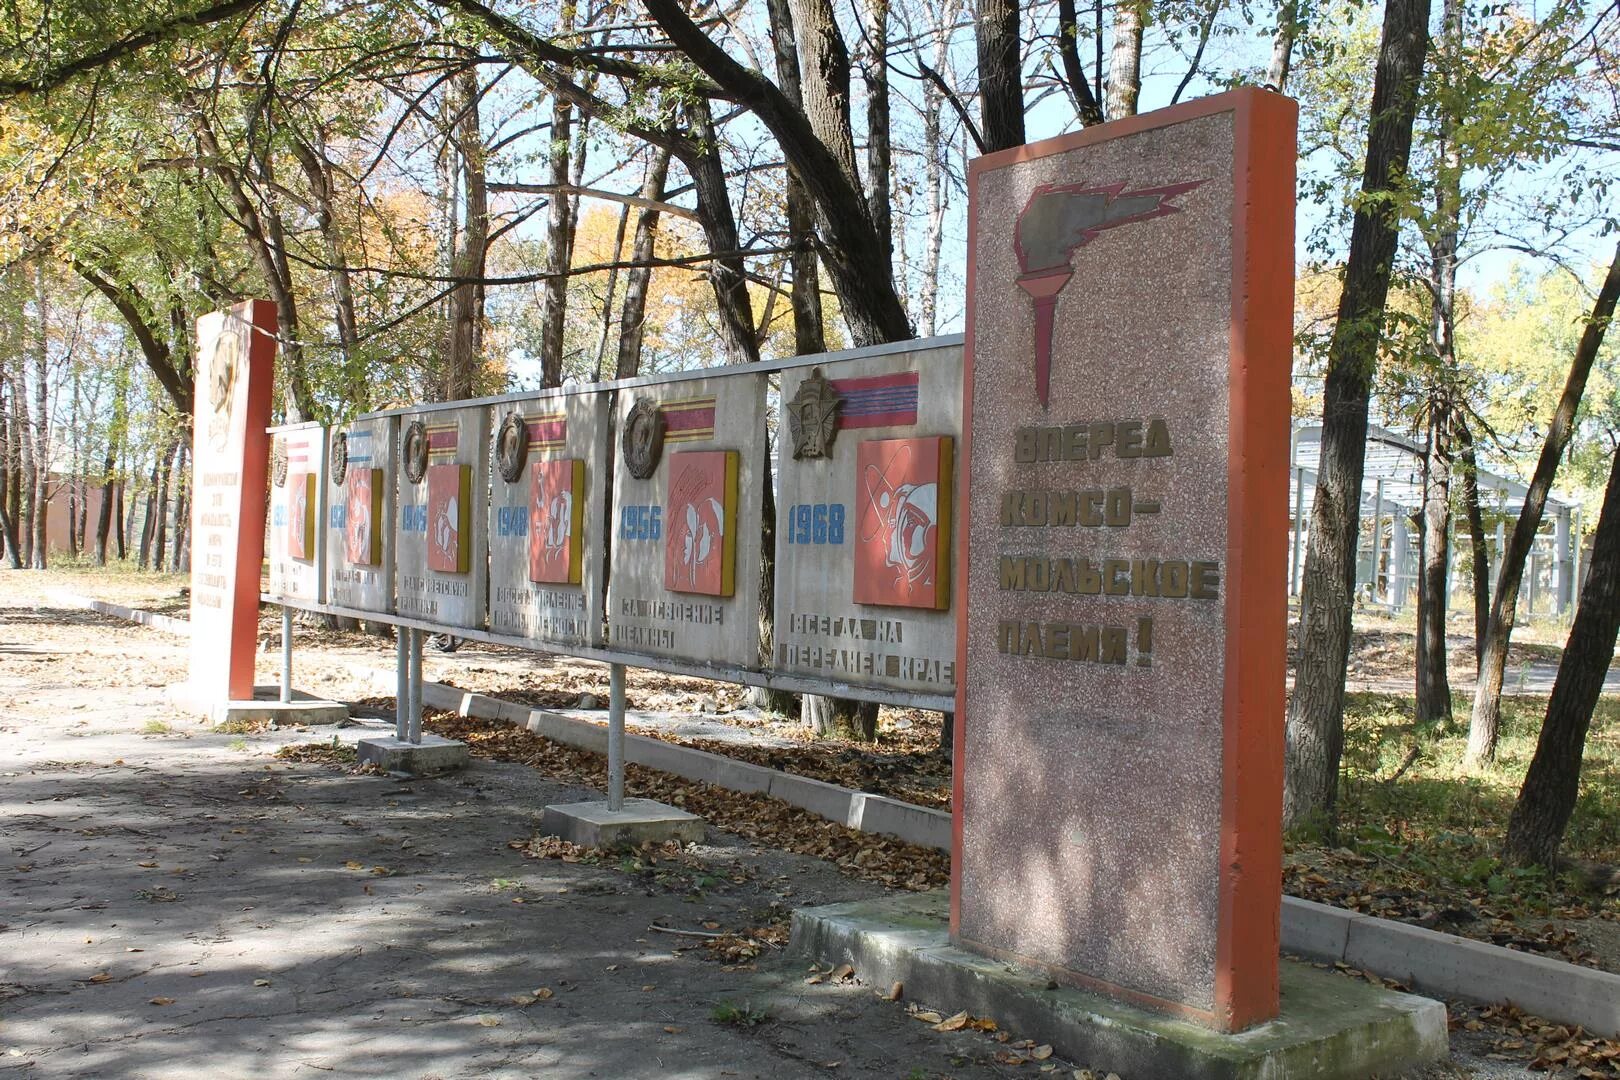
<point>1575,559</point>
<point>402,683</point>
<point>1377,535</point>
<point>286,655</point>
<point>1398,544</point>
<point>415,734</point>
<point>615,737</point>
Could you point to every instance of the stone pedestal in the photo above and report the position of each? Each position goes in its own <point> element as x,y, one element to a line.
<point>641,821</point>
<point>265,706</point>
<point>434,754</point>
<point>1329,1027</point>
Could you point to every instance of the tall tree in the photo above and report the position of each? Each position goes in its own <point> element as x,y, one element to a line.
<point>1547,798</point>
<point>1316,710</point>
<point>1482,726</point>
<point>1433,684</point>
<point>1001,74</point>
<point>559,226</point>
<point>633,321</point>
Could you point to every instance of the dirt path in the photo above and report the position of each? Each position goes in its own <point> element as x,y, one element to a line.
<point>183,904</point>
<point>180,903</point>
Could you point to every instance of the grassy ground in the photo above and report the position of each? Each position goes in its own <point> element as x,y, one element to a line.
<point>1421,844</point>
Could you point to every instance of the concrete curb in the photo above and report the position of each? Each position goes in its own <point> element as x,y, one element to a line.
<point>166,623</point>
<point>1454,967</point>
<point>1444,965</point>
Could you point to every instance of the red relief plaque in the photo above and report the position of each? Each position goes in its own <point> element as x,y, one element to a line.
<point>1120,651</point>
<point>301,506</point>
<point>556,519</point>
<point>363,495</point>
<point>903,522</point>
<point>700,552</point>
<point>449,509</point>
<point>230,452</point>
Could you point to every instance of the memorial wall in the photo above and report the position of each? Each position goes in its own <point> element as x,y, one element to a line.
<point>441,563</point>
<point>298,499</point>
<point>627,520</point>
<point>546,518</point>
<point>687,497</point>
<point>359,536</point>
<point>864,517</point>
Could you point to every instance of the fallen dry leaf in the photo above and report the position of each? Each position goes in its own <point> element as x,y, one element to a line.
<point>953,1023</point>
<point>1042,1052</point>
<point>162,1001</point>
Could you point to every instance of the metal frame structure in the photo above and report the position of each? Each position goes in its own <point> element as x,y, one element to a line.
<point>1392,491</point>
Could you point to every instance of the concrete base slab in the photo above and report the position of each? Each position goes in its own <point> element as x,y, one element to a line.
<point>1331,1026</point>
<point>641,821</point>
<point>434,754</point>
<point>265,706</point>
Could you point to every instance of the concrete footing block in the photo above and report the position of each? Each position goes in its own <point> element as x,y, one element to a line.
<point>641,821</point>
<point>434,754</point>
<point>265,706</point>
<point>1331,1027</point>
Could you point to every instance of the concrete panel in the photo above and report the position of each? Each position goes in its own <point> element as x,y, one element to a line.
<point>298,500</point>
<point>646,615</point>
<point>526,598</point>
<point>828,509</point>
<point>441,561</point>
<point>360,518</point>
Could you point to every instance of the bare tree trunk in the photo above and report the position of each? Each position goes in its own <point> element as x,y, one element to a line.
<point>1125,59</point>
<point>160,532</point>
<point>149,518</point>
<point>1433,687</point>
<point>317,169</point>
<point>727,275</point>
<point>612,288</point>
<point>1001,74</point>
<point>824,161</point>
<point>104,517</point>
<point>42,425</point>
<point>1536,828</point>
<point>266,243</point>
<point>879,154</point>
<point>633,322</point>
<point>559,230</point>
<point>1481,575</point>
<point>809,333</point>
<point>180,487</point>
<point>1282,45</point>
<point>1086,107</point>
<point>1316,710</point>
<point>1482,725</point>
<point>23,425</point>
<point>840,716</point>
<point>467,298</point>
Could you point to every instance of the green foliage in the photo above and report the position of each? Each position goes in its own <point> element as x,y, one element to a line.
<point>1439,825</point>
<point>743,1015</point>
